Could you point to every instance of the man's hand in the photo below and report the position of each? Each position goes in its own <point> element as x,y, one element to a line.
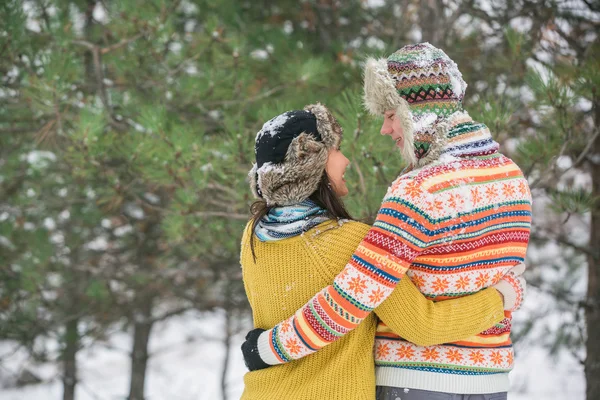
<point>251,353</point>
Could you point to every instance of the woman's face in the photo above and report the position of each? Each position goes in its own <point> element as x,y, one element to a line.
<point>335,169</point>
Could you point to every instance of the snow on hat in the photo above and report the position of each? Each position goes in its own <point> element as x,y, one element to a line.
<point>291,153</point>
<point>425,87</point>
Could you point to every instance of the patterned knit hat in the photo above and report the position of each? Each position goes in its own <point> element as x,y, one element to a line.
<point>291,153</point>
<point>425,87</point>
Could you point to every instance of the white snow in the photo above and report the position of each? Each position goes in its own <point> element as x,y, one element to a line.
<point>175,47</point>
<point>273,126</point>
<point>375,3</point>
<point>98,244</point>
<point>4,241</point>
<point>206,167</point>
<point>40,159</point>
<point>187,361</point>
<point>375,43</point>
<point>64,215</point>
<point>57,238</point>
<point>189,25</point>
<point>458,84</point>
<point>191,70</point>
<point>424,122</point>
<point>100,14</point>
<point>123,230</point>
<point>214,114</point>
<point>152,198</point>
<point>266,167</point>
<point>49,224</point>
<point>134,211</point>
<point>564,162</point>
<point>259,54</point>
<point>186,364</point>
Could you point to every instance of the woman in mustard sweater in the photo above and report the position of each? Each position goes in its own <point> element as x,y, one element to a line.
<point>300,238</point>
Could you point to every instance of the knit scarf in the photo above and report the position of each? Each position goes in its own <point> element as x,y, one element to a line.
<point>289,221</point>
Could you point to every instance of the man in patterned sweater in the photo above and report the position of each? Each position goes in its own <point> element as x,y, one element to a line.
<point>456,221</point>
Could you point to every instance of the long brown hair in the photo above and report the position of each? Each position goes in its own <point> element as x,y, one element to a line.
<point>324,197</point>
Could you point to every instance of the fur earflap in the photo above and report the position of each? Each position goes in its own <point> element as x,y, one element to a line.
<point>380,93</point>
<point>295,179</point>
<point>406,121</point>
<point>298,176</point>
<point>328,127</point>
<point>253,179</point>
<point>440,138</point>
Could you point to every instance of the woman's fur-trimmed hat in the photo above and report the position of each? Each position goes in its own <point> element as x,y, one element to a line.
<point>291,153</point>
<point>425,87</point>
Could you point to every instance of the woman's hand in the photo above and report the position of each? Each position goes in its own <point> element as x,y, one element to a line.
<point>251,353</point>
<point>512,287</point>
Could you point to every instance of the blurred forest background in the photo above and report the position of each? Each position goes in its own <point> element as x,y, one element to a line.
<point>127,131</point>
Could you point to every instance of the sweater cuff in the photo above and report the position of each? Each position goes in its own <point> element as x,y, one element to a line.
<point>512,289</point>
<point>264,349</point>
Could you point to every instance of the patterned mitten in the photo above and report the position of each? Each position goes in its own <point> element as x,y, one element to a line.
<point>512,286</point>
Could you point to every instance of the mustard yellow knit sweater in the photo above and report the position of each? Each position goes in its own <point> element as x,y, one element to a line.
<point>287,273</point>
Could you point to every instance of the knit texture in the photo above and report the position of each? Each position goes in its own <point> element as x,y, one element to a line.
<point>289,221</point>
<point>512,288</point>
<point>288,272</point>
<point>427,79</point>
<point>460,224</point>
<point>424,86</point>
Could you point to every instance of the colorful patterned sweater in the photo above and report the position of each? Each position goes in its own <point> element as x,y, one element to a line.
<point>459,224</point>
<point>288,272</point>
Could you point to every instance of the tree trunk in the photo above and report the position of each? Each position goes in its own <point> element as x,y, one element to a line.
<point>227,343</point>
<point>431,21</point>
<point>139,355</point>
<point>69,361</point>
<point>592,310</point>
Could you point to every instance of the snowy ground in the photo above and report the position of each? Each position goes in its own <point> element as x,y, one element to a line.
<point>187,364</point>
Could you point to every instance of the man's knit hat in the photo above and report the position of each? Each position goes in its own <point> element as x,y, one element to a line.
<point>424,86</point>
<point>291,153</point>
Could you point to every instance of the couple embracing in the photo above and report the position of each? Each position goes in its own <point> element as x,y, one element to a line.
<point>417,306</point>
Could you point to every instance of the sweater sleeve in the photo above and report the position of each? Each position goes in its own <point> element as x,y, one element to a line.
<point>409,314</point>
<point>400,233</point>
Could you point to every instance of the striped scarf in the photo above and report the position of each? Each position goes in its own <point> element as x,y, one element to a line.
<point>289,221</point>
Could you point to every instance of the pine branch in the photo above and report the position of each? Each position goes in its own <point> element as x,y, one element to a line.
<point>120,44</point>
<point>257,97</point>
<point>170,314</point>
<point>562,239</point>
<point>587,149</point>
<point>223,214</point>
<point>592,6</point>
<point>97,53</point>
<point>225,189</point>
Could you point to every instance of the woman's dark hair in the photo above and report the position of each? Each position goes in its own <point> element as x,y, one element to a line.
<point>324,197</point>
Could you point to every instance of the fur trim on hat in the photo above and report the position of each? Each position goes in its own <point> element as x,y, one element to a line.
<point>298,176</point>
<point>440,138</point>
<point>380,93</point>
<point>328,127</point>
<point>408,149</point>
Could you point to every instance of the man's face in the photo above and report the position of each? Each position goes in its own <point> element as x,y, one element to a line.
<point>391,126</point>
